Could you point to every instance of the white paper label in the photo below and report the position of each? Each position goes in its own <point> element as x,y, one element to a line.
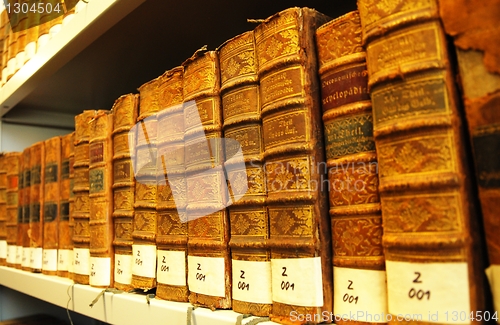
<point>49,260</point>
<point>144,260</point>
<point>43,40</point>
<point>26,257</point>
<point>493,274</point>
<point>82,257</point>
<point>11,254</point>
<point>19,255</point>
<point>360,293</point>
<point>71,261</point>
<point>3,249</point>
<point>64,259</point>
<point>252,281</point>
<point>297,281</point>
<point>434,292</point>
<point>100,271</point>
<point>30,50</point>
<point>206,275</point>
<point>123,269</point>
<point>20,59</point>
<point>171,267</point>
<point>36,258</point>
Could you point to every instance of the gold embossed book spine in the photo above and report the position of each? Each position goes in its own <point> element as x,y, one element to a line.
<point>65,249</point>
<point>351,159</point>
<point>12,161</point>
<point>145,215</point>
<point>37,166</point>
<point>171,235</point>
<point>101,200</point>
<point>209,263</point>
<point>431,240</point>
<point>3,208</point>
<point>297,200</point>
<point>249,222</point>
<point>81,212</point>
<point>51,203</point>
<point>24,217</point>
<point>125,111</point>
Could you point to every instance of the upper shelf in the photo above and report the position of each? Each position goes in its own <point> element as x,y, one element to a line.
<point>115,46</point>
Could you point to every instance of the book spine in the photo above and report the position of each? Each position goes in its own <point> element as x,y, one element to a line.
<point>51,204</point>
<point>12,160</point>
<point>37,175</point>
<point>300,238</point>
<point>65,241</point>
<point>20,205</point>
<point>125,115</point>
<point>32,35</point>
<point>24,221</point>
<point>251,266</point>
<point>71,204</point>
<point>101,200</point>
<point>430,236</point>
<point>171,236</point>
<point>3,210</point>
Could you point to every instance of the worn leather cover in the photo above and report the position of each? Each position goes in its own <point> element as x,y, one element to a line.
<point>12,161</point>
<point>65,240</point>
<point>71,204</point>
<point>3,205</point>
<point>37,175</point>
<point>293,150</point>
<point>23,239</point>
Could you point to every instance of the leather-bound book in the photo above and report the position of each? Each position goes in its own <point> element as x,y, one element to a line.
<point>171,235</point>
<point>125,111</point>
<point>23,240</point>
<point>300,238</point>
<point>145,215</point>
<point>37,176</point>
<point>101,200</point>
<point>81,211</point>
<point>31,35</point>
<point>432,240</point>
<point>65,246</point>
<point>12,163</point>
<point>20,205</point>
<point>356,220</point>
<point>209,263</point>
<point>71,203</point>
<point>6,35</point>
<point>249,223</point>
<point>3,210</point>
<point>51,203</point>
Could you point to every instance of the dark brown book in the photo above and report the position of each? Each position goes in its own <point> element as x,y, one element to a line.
<point>356,219</point>
<point>37,176</point>
<point>65,246</point>
<point>51,204</point>
<point>3,209</point>
<point>12,163</point>
<point>23,240</point>
<point>101,200</point>
<point>171,236</point>
<point>300,238</point>
<point>249,222</point>
<point>125,110</point>
<point>431,238</point>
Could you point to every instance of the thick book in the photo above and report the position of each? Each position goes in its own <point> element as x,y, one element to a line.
<point>65,242</point>
<point>3,209</point>
<point>101,200</point>
<point>356,220</point>
<point>37,176</point>
<point>249,222</point>
<point>51,203</point>
<point>23,240</point>
<point>20,204</point>
<point>71,204</point>
<point>12,162</point>
<point>297,200</point>
<point>209,260</point>
<point>171,236</point>
<point>432,242</point>
<point>125,111</point>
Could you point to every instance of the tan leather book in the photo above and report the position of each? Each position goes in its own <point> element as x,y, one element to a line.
<point>81,212</point>
<point>431,240</point>
<point>71,203</point>
<point>171,236</point>
<point>23,240</point>
<point>3,210</point>
<point>249,222</point>
<point>209,260</point>
<point>300,239</point>
<point>20,205</point>
<point>37,176</point>
<point>145,215</point>
<point>101,200</point>
<point>356,219</point>
<point>32,35</point>
<point>51,204</point>
<point>125,111</point>
<point>12,161</point>
<point>5,56</point>
<point>65,246</point>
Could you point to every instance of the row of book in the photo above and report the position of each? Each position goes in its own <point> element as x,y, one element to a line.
<point>309,170</point>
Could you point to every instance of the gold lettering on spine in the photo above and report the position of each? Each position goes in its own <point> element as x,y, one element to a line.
<point>241,102</point>
<point>285,128</point>
<point>282,84</point>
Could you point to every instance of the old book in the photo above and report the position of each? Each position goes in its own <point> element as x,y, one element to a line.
<point>125,111</point>
<point>356,219</point>
<point>209,261</point>
<point>65,245</point>
<point>171,236</point>
<point>51,204</point>
<point>300,239</point>
<point>81,211</point>
<point>19,214</point>
<point>3,210</point>
<point>71,203</point>
<point>31,35</point>
<point>249,222</point>
<point>431,237</point>
<point>23,240</point>
<point>6,35</point>
<point>37,176</point>
<point>145,215</point>
<point>101,200</point>
<point>12,163</point>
